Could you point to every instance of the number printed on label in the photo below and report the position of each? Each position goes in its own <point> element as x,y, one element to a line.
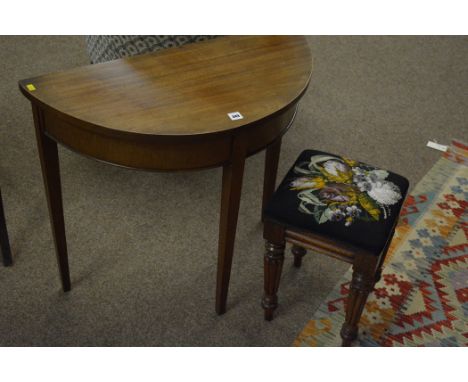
<point>235,115</point>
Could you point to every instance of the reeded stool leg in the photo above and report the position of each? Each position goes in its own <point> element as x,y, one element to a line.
<point>362,283</point>
<point>273,265</point>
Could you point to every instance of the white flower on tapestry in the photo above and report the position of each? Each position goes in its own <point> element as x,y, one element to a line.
<point>334,167</point>
<point>334,189</point>
<point>384,192</point>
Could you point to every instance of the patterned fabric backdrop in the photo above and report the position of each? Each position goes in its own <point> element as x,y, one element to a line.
<point>106,48</point>
<point>422,298</point>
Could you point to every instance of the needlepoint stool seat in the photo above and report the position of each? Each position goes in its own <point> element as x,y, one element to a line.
<point>339,207</point>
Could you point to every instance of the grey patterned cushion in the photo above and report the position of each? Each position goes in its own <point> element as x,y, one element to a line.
<point>107,48</point>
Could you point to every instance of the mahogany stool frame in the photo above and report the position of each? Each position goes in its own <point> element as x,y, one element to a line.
<point>367,269</point>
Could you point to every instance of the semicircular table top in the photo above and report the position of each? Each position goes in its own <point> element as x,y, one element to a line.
<point>181,91</point>
<point>202,105</point>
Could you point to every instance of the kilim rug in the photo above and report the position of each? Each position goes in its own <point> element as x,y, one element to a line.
<point>422,298</point>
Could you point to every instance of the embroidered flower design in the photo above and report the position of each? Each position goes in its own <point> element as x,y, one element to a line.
<point>339,189</point>
<point>384,192</point>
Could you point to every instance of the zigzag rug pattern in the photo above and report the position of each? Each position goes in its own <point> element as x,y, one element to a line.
<point>422,298</point>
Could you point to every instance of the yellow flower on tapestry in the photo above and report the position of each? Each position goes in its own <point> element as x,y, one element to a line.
<point>305,183</point>
<point>340,189</point>
<point>350,162</point>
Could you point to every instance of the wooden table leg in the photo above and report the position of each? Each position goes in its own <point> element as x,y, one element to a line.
<point>233,173</point>
<point>4,241</point>
<point>271,168</point>
<point>48,154</point>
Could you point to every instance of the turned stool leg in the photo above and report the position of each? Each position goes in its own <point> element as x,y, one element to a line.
<point>364,273</point>
<point>298,253</point>
<point>273,264</point>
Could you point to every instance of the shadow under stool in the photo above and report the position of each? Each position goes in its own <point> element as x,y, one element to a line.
<point>4,242</point>
<point>337,207</point>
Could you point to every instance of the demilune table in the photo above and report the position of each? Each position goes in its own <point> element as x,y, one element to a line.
<point>202,105</point>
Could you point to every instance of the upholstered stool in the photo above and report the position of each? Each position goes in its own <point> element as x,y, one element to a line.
<point>4,242</point>
<point>338,207</point>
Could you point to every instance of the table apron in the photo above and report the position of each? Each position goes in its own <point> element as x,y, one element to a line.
<point>165,153</point>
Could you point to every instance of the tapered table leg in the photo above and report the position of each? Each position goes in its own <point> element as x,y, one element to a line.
<point>48,155</point>
<point>4,241</point>
<point>233,173</point>
<point>271,168</point>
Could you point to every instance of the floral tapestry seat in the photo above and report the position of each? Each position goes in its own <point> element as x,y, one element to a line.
<point>345,200</point>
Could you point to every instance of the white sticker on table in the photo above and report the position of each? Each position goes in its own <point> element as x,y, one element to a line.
<point>235,115</point>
